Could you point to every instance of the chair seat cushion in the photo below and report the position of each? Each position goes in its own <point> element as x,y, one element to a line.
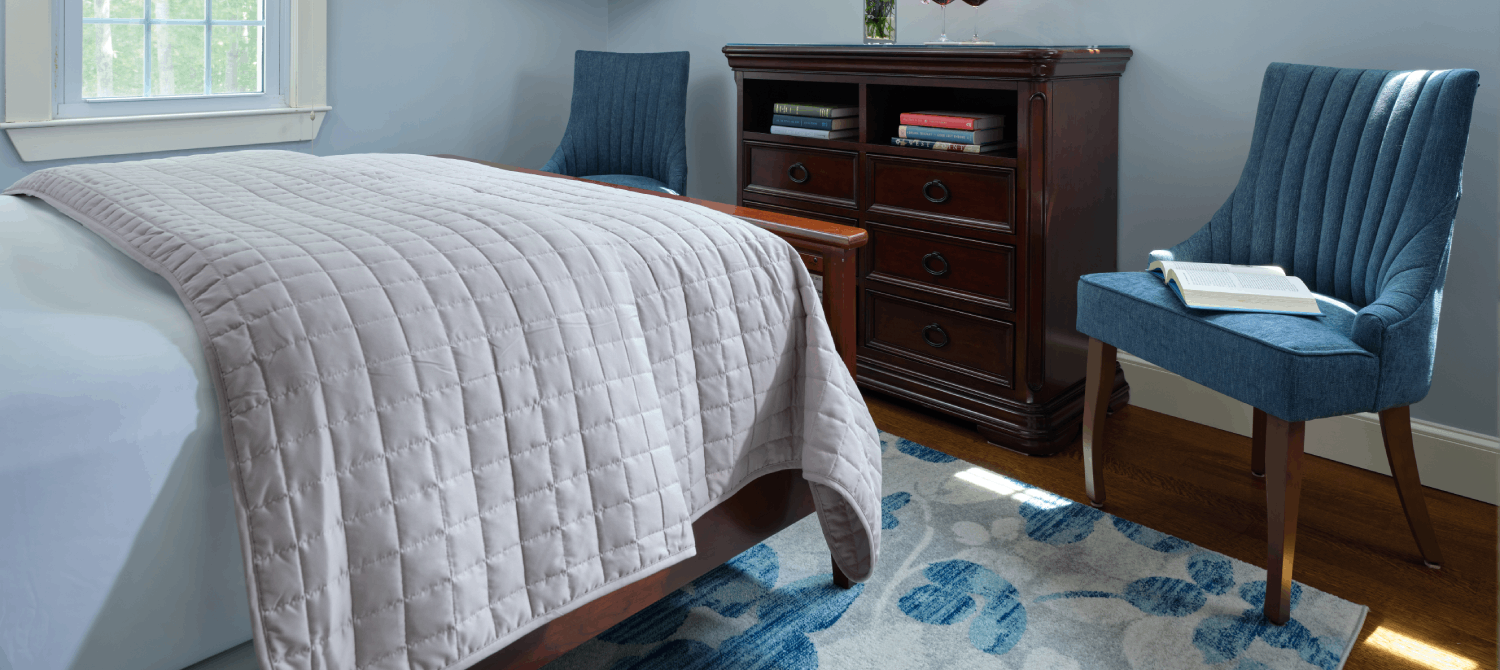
<point>633,181</point>
<point>1294,367</point>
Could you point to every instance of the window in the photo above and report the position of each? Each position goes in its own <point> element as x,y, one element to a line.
<point>128,57</point>
<point>106,77</point>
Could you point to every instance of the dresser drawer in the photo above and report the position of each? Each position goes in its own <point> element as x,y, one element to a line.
<point>942,192</point>
<point>939,336</point>
<point>802,173</point>
<point>969,269</point>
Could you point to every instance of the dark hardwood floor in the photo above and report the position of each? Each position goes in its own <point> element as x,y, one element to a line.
<point>1194,482</point>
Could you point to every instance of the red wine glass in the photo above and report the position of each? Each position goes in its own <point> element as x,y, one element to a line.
<point>976,4</point>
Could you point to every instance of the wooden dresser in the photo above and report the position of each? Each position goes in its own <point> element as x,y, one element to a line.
<point>967,289</point>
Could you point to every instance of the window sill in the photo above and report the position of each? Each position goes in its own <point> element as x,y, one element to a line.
<point>107,136</point>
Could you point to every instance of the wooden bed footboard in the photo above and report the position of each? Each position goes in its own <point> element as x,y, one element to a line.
<point>760,509</point>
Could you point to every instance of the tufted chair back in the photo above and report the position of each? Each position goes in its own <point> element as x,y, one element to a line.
<point>1352,183</point>
<point>629,116</point>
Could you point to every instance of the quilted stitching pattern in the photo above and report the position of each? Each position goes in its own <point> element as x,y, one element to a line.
<point>459,401</point>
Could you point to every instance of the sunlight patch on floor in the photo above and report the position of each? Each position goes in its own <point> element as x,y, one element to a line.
<point>1011,488</point>
<point>1417,650</point>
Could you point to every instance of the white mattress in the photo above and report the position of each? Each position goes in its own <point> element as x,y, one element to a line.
<point>118,544</point>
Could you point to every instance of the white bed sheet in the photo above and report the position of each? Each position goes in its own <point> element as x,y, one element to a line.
<point>118,543</point>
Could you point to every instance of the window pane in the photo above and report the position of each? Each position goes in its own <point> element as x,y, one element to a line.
<point>114,9</point>
<point>238,10</point>
<point>176,60</point>
<point>237,57</point>
<point>178,9</point>
<point>113,60</point>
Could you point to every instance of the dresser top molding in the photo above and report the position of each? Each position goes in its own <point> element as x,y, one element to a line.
<point>996,62</point>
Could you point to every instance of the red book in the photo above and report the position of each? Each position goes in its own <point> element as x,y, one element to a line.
<point>955,120</point>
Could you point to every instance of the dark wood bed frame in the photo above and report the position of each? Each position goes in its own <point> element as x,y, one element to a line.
<point>760,509</point>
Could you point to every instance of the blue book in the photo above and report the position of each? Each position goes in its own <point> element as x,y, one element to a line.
<point>846,134</point>
<point>990,136</point>
<point>814,123</point>
<point>952,146</point>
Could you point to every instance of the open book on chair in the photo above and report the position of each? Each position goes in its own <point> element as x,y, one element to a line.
<point>1242,288</point>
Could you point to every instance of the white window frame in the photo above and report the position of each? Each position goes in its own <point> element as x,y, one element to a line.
<point>72,104</point>
<point>44,124</point>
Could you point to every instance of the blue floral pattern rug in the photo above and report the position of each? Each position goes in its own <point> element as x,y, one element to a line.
<point>979,571</point>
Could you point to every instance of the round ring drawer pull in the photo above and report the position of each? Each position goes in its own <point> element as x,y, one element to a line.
<point>927,264</point>
<point>931,329</point>
<point>791,173</point>
<point>927,191</point>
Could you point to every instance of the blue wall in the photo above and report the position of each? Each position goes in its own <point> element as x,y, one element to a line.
<point>1187,105</point>
<point>492,80</point>
<point>481,78</point>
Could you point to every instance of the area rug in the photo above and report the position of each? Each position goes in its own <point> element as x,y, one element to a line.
<point>979,571</point>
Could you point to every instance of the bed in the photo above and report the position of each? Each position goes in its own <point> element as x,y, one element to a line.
<point>95,583</point>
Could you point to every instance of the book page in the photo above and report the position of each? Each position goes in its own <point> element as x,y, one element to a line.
<point>1234,282</point>
<point>1244,292</point>
<point>1166,266</point>
<point>1203,280</point>
<point>1268,282</point>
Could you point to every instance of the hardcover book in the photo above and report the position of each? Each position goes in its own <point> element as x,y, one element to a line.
<point>819,134</point>
<point>956,147</point>
<point>816,109</point>
<point>954,120</point>
<point>1238,288</point>
<point>815,123</point>
<point>990,136</point>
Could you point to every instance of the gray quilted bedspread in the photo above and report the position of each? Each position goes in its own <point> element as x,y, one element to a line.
<point>459,402</point>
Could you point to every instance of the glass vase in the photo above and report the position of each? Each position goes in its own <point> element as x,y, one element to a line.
<point>880,21</point>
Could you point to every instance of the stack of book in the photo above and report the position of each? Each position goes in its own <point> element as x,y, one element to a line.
<point>807,119</point>
<point>952,131</point>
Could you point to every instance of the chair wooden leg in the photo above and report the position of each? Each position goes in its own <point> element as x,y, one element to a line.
<point>1258,444</point>
<point>1395,427</point>
<point>1283,489</point>
<point>840,579</point>
<point>1096,388</point>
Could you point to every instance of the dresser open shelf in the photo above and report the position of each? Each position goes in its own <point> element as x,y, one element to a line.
<point>967,289</point>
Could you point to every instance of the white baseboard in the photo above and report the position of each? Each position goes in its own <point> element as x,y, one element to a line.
<point>1450,459</point>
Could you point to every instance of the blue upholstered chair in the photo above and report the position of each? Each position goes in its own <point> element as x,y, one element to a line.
<point>1352,183</point>
<point>628,125</point>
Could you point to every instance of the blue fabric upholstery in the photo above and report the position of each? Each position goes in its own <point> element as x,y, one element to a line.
<point>632,181</point>
<point>629,118</point>
<point>1352,183</point>
<point>1294,367</point>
